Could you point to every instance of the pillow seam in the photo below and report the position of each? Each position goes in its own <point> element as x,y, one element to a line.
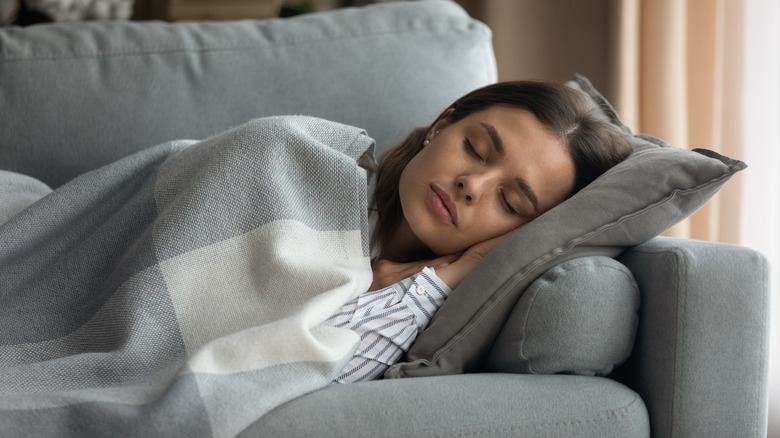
<point>509,285</point>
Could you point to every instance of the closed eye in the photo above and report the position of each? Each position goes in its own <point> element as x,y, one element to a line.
<point>471,150</point>
<point>507,204</point>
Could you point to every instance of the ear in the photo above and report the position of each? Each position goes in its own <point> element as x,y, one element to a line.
<point>440,123</point>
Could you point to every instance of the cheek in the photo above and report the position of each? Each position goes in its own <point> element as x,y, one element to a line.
<point>410,175</point>
<point>406,188</point>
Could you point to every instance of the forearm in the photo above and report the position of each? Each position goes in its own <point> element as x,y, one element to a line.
<point>388,321</point>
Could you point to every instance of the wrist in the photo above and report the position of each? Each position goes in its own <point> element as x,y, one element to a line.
<point>454,273</point>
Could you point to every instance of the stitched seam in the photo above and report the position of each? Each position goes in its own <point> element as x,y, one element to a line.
<point>676,253</point>
<point>682,302</point>
<point>603,417</point>
<point>525,331</point>
<point>308,39</point>
<point>509,285</point>
<point>587,236</point>
<point>759,427</point>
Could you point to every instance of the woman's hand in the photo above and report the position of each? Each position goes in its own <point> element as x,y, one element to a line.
<point>453,273</point>
<point>387,273</point>
<point>451,269</point>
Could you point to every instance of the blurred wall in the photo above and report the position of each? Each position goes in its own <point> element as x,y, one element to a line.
<point>549,39</point>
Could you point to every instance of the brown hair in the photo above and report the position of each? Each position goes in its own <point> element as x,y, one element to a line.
<point>594,144</point>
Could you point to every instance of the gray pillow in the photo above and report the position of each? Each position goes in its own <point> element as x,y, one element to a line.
<point>653,189</point>
<point>579,317</point>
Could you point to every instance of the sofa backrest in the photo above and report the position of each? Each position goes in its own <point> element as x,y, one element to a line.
<point>74,97</point>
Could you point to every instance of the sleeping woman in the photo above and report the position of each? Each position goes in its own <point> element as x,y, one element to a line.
<point>492,162</point>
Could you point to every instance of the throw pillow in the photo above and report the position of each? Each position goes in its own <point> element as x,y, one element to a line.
<point>653,189</point>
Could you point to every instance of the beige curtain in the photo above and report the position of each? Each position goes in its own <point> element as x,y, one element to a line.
<point>676,73</point>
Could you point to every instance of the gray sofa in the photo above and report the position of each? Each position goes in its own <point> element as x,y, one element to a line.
<point>696,364</point>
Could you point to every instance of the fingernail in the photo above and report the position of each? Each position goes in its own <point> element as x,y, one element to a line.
<point>441,265</point>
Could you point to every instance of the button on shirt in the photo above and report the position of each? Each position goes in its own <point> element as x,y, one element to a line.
<point>388,321</point>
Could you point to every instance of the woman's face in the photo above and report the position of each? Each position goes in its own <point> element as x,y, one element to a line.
<point>485,175</point>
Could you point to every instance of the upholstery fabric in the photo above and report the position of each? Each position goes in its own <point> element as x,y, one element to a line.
<point>18,192</point>
<point>504,405</point>
<point>579,317</point>
<point>104,90</point>
<point>701,352</point>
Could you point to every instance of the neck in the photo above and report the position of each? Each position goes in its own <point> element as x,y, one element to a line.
<point>404,246</point>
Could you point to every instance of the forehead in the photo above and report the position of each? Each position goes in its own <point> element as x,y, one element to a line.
<point>513,122</point>
<point>531,151</point>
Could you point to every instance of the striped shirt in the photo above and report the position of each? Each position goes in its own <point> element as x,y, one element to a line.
<point>388,321</point>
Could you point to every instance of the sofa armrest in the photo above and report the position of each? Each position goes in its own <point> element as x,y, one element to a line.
<point>701,352</point>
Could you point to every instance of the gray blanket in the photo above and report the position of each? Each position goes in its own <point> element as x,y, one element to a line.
<point>178,292</point>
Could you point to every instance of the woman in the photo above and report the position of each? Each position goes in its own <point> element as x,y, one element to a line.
<point>492,162</point>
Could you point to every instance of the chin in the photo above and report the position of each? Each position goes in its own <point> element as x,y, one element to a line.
<point>444,250</point>
<point>437,243</point>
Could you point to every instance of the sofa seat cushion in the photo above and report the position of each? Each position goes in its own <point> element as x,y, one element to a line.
<point>507,405</point>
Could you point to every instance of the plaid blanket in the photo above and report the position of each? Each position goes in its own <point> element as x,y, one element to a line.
<point>179,291</point>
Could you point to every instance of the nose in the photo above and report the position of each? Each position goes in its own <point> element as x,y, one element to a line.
<point>472,186</point>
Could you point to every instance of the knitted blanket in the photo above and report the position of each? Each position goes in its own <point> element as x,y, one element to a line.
<point>179,291</point>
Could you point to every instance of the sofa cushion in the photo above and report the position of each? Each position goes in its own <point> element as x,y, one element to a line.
<point>74,97</point>
<point>653,189</point>
<point>506,405</point>
<point>579,317</point>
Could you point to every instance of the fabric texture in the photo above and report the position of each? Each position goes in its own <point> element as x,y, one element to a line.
<point>180,291</point>
<point>579,317</point>
<point>654,188</point>
<point>18,192</point>
<point>703,338</point>
<point>388,321</point>
<point>94,84</point>
<point>462,406</point>
<point>75,98</point>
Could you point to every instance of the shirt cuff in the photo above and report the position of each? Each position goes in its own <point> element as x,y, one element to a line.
<point>423,294</point>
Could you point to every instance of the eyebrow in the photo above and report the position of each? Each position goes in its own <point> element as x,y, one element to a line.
<point>498,145</point>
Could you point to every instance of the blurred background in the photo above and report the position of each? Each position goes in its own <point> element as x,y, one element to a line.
<point>696,73</point>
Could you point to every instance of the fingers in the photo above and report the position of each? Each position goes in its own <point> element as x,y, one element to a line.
<point>450,268</point>
<point>440,262</point>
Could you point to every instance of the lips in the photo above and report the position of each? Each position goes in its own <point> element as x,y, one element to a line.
<point>442,205</point>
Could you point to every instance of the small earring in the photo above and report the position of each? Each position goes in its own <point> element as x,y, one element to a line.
<point>425,143</point>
